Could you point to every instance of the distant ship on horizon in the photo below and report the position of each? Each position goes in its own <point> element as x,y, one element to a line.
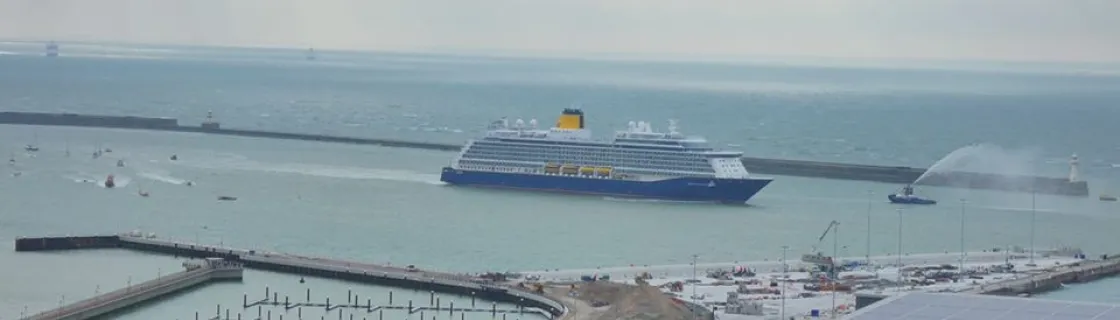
<point>52,49</point>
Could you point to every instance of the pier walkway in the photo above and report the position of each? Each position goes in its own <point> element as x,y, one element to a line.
<point>196,274</point>
<point>407,277</point>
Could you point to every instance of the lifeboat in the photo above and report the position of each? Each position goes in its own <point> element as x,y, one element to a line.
<point>587,170</point>
<point>109,182</point>
<point>552,168</point>
<point>569,169</point>
<point>603,171</point>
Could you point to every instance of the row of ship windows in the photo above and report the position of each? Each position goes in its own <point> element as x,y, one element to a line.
<point>606,151</point>
<point>551,155</point>
<point>667,165</point>
<point>601,164</point>
<point>512,168</point>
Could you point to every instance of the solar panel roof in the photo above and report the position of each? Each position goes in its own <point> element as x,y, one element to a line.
<point>955,306</point>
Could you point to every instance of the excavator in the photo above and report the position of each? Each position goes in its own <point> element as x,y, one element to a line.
<point>825,264</point>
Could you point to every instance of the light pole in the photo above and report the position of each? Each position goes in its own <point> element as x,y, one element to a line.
<point>1033,212</point>
<point>960,264</point>
<point>899,249</point>
<point>785,276</point>
<point>694,280</point>
<point>834,274</point>
<point>869,228</point>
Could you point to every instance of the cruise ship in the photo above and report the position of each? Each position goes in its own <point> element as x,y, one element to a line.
<point>638,163</point>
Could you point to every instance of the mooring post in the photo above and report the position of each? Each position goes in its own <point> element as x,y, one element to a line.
<point>409,306</point>
<point>349,293</point>
<point>451,309</point>
<point>299,313</point>
<point>390,298</point>
<point>431,298</point>
<point>503,316</point>
<point>269,314</point>
<point>328,307</point>
<point>275,297</point>
<point>381,314</point>
<point>421,314</point>
<point>493,310</point>
<point>472,299</point>
<point>437,305</point>
<point>309,295</point>
<point>266,295</point>
<point>285,303</point>
<point>196,315</point>
<point>218,311</point>
<point>339,313</point>
<point>369,304</point>
<point>244,301</point>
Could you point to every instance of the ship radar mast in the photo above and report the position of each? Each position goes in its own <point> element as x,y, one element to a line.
<point>533,124</point>
<point>673,127</point>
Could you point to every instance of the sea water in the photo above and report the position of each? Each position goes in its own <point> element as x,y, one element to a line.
<point>386,204</point>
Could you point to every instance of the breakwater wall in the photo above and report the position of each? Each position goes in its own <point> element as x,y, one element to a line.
<point>802,168</point>
<point>410,278</point>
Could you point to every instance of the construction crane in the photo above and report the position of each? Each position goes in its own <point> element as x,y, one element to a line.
<point>824,263</point>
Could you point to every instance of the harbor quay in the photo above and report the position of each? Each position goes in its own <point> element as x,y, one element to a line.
<point>802,289</point>
<point>403,277</point>
<point>790,167</point>
<point>196,273</point>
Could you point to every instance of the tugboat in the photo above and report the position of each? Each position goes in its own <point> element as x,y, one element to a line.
<point>109,182</point>
<point>908,197</point>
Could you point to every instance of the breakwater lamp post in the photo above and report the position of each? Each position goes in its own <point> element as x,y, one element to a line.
<point>694,279</point>
<point>785,276</point>
<point>899,272</point>
<point>1033,212</point>
<point>835,260</point>
<point>960,264</point>
<point>868,228</point>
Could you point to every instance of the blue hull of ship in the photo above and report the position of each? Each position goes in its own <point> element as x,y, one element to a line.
<point>679,189</point>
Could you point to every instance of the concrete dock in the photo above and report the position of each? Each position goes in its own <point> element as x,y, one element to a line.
<point>198,273</point>
<point>1053,280</point>
<point>412,278</point>
<point>803,168</point>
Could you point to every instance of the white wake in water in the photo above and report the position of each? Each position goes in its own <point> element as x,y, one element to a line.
<point>161,176</point>
<point>317,170</point>
<point>119,181</point>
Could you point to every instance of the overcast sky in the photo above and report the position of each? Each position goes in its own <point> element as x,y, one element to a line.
<point>1042,30</point>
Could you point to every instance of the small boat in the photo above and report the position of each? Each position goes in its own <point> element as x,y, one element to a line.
<point>142,193</point>
<point>31,148</point>
<point>120,163</point>
<point>227,198</point>
<point>907,197</point>
<point>109,182</point>
<point>1105,197</point>
<point>174,157</point>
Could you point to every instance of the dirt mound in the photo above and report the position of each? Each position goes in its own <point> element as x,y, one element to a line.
<point>633,302</point>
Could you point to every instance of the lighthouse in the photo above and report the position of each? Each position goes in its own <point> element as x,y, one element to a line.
<point>211,123</point>
<point>1074,173</point>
